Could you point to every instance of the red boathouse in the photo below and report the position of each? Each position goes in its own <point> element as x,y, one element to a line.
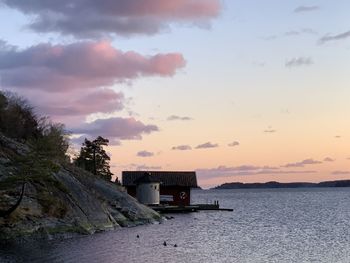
<point>175,187</point>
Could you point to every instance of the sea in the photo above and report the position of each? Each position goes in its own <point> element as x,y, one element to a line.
<point>267,225</point>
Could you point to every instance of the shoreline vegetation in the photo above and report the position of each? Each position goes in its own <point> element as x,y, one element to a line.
<point>60,199</point>
<point>272,185</point>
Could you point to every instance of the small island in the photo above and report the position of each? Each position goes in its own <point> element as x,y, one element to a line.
<point>269,185</point>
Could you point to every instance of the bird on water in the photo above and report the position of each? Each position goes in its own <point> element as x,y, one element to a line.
<point>164,244</point>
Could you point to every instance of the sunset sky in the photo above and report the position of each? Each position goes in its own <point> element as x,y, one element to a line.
<point>240,90</point>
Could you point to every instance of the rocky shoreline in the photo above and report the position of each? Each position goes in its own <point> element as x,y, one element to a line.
<point>70,202</point>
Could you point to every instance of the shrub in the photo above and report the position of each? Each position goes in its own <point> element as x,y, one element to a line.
<point>19,121</point>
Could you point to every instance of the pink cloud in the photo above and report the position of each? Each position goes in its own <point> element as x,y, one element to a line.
<point>75,103</point>
<point>115,129</point>
<point>70,82</point>
<point>80,65</point>
<point>90,18</point>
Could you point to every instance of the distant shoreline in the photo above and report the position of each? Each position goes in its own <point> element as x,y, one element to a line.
<point>271,185</point>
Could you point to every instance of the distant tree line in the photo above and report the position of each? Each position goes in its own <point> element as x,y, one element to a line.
<point>271,185</point>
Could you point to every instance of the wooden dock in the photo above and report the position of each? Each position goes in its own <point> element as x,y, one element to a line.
<point>166,209</point>
<point>213,207</point>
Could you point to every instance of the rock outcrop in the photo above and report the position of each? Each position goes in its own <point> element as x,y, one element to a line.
<point>69,202</point>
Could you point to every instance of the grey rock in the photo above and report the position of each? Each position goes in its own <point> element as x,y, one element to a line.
<point>76,203</point>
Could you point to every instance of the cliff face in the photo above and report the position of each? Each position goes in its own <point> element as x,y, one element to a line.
<point>68,202</point>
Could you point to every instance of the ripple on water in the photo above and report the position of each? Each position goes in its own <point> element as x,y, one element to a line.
<point>283,225</point>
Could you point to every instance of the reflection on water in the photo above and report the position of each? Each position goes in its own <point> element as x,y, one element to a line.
<point>301,225</point>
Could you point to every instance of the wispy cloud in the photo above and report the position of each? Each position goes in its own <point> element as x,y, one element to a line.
<point>269,37</point>
<point>309,31</point>
<point>341,36</point>
<point>258,64</point>
<point>285,111</point>
<point>341,173</point>
<point>178,118</point>
<point>328,159</point>
<point>270,130</point>
<point>145,154</point>
<point>302,163</point>
<point>207,145</point>
<point>234,144</point>
<point>299,61</point>
<point>304,31</point>
<point>291,33</point>
<point>182,148</point>
<point>241,168</point>
<point>143,167</point>
<point>303,8</point>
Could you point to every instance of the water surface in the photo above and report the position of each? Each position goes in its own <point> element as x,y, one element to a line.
<point>278,225</point>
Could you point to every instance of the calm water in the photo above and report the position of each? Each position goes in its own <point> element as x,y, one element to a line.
<point>302,225</point>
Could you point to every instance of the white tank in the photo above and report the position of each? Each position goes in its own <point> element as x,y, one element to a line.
<point>148,193</point>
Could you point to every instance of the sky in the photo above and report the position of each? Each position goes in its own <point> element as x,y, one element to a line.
<point>239,90</point>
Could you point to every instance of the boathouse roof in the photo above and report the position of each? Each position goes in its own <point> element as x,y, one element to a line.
<point>166,178</point>
<point>146,178</point>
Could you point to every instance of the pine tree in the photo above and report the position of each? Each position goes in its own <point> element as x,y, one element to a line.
<point>93,158</point>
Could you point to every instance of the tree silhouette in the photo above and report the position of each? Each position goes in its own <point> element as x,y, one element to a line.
<point>93,158</point>
<point>19,121</point>
<point>17,117</point>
